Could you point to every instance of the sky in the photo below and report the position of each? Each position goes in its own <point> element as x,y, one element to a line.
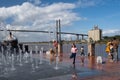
<point>77,16</point>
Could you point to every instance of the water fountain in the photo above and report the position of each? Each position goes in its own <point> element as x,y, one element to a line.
<point>49,38</point>
<point>55,44</point>
<point>36,49</point>
<point>33,67</point>
<point>26,55</point>
<point>36,63</point>
<point>5,69</point>
<point>32,59</point>
<point>12,63</point>
<point>41,55</point>
<point>20,57</point>
<point>31,56</point>
<point>56,63</point>
<point>36,57</point>
<point>2,56</point>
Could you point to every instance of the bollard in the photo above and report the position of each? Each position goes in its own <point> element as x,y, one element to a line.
<point>91,49</point>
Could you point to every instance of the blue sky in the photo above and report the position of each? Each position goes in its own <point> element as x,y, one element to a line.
<point>77,16</point>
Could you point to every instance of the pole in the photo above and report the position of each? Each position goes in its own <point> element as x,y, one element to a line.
<point>60,53</point>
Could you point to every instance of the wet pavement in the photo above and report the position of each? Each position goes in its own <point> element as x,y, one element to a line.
<point>66,71</point>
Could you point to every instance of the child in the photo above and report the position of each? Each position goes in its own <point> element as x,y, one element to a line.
<point>82,54</point>
<point>52,55</point>
<point>111,51</point>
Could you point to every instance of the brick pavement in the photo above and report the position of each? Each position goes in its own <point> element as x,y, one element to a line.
<point>106,70</point>
<point>109,70</point>
<point>89,71</point>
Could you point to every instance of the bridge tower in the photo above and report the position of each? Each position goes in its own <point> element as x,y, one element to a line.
<point>58,38</point>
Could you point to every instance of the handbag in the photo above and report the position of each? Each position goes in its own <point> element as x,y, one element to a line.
<point>71,56</point>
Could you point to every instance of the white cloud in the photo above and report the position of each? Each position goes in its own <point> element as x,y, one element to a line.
<point>35,2</point>
<point>29,16</point>
<point>111,32</point>
<point>69,37</point>
<point>88,3</point>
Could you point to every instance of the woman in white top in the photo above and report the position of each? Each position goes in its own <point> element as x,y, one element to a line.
<point>73,51</point>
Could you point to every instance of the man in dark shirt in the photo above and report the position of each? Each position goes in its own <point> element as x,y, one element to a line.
<point>115,47</point>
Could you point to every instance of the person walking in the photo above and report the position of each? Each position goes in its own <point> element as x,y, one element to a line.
<point>115,47</point>
<point>73,52</point>
<point>82,54</point>
<point>111,52</point>
<point>52,56</point>
<point>108,50</point>
<point>55,45</point>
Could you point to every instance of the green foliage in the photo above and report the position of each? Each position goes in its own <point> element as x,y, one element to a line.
<point>106,38</point>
